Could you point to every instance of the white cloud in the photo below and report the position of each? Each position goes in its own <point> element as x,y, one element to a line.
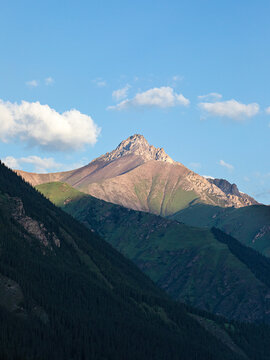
<point>208,177</point>
<point>267,110</point>
<point>41,165</point>
<point>121,93</point>
<point>11,162</point>
<point>40,125</point>
<point>49,81</point>
<point>226,165</point>
<point>162,97</point>
<point>210,96</point>
<point>231,109</point>
<point>32,83</point>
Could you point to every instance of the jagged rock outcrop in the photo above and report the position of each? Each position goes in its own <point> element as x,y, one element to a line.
<point>232,189</point>
<point>137,145</point>
<point>225,186</point>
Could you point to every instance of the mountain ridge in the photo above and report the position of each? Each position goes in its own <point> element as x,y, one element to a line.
<point>137,145</point>
<point>67,294</point>
<point>190,263</point>
<point>141,177</point>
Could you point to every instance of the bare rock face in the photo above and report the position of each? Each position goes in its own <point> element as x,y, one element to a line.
<point>232,189</point>
<point>33,227</point>
<point>137,145</point>
<point>225,186</point>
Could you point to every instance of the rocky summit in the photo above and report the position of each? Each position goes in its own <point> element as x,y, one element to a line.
<point>137,145</point>
<point>141,177</point>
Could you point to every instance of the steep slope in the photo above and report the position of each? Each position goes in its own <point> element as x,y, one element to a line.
<point>66,294</point>
<point>191,264</point>
<point>250,224</point>
<point>142,177</point>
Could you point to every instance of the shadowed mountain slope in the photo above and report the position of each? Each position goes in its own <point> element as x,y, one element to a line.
<point>250,224</point>
<point>191,264</point>
<point>142,177</point>
<point>67,294</point>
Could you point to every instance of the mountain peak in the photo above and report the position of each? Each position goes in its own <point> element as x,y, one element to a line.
<point>137,145</point>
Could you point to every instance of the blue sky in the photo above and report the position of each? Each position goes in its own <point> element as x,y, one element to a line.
<point>66,60</point>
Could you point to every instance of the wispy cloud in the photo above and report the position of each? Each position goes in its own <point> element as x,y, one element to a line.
<point>32,83</point>
<point>177,78</point>
<point>230,109</point>
<point>162,97</point>
<point>121,93</point>
<point>226,165</point>
<point>100,82</point>
<point>40,164</point>
<point>210,96</point>
<point>267,110</point>
<point>40,125</point>
<point>49,81</point>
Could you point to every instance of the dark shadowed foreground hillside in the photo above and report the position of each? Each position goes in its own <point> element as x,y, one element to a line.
<point>66,294</point>
<point>193,265</point>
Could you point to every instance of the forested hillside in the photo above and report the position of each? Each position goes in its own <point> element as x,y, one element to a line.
<point>191,264</point>
<point>66,294</point>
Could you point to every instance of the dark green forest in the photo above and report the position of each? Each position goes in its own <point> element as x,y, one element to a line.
<point>67,294</point>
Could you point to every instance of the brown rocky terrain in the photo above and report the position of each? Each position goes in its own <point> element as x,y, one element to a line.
<point>139,176</point>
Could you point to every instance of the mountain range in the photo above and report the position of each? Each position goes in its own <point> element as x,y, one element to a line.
<point>195,266</point>
<point>67,294</point>
<point>161,216</point>
<point>142,177</point>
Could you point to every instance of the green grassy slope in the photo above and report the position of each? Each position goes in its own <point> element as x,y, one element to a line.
<point>191,264</point>
<point>67,294</point>
<point>161,198</point>
<point>250,224</point>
